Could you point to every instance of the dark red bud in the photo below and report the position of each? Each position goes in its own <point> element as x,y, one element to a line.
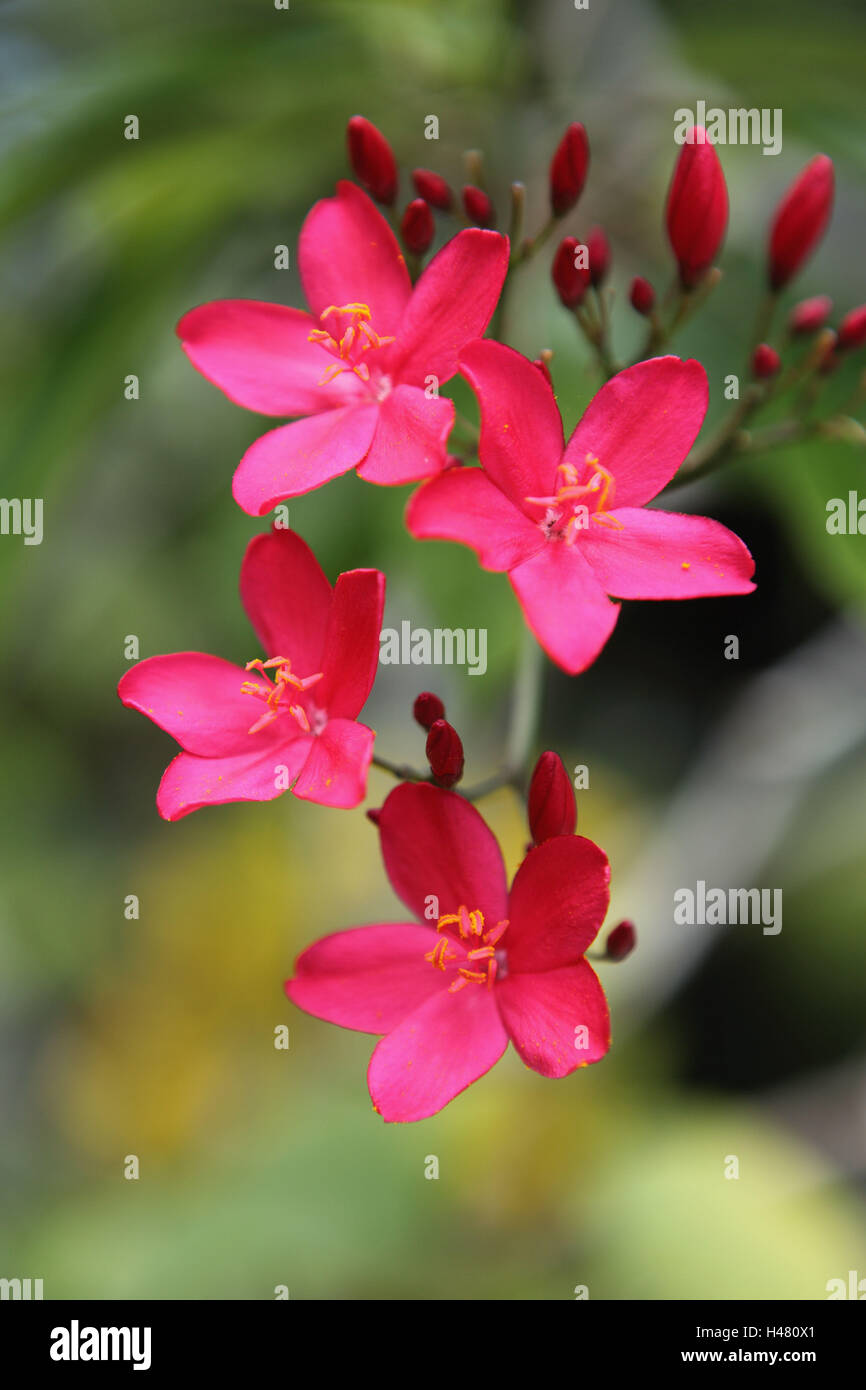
<point>810,314</point>
<point>800,220</point>
<point>372,159</point>
<point>373,815</point>
<point>621,941</point>
<point>598,247</point>
<point>552,807</point>
<point>445,753</point>
<point>417,227</point>
<point>852,329</point>
<point>568,169</point>
<point>433,188</point>
<point>478,206</point>
<point>697,207</point>
<point>765,361</point>
<point>571,281</point>
<point>642,295</point>
<point>427,709</point>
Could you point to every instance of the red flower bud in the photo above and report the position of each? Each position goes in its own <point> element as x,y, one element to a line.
<point>372,159</point>
<point>571,281</point>
<point>800,220</point>
<point>598,247</point>
<point>444,753</point>
<point>568,169</point>
<point>765,361</point>
<point>478,206</point>
<point>642,295</point>
<point>621,941</point>
<point>697,207</point>
<point>852,329</point>
<point>373,814</point>
<point>552,807</point>
<point>417,227</point>
<point>810,314</point>
<point>427,709</point>
<point>433,188</point>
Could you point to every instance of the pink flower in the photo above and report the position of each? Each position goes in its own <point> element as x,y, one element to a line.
<point>569,524</point>
<point>249,732</point>
<point>357,366</point>
<point>478,966</point>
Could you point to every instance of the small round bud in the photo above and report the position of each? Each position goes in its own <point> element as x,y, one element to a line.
<point>852,329</point>
<point>642,295</point>
<point>598,247</point>
<point>810,314</point>
<point>621,941</point>
<point>571,280</point>
<point>427,709</point>
<point>765,361</point>
<point>433,189</point>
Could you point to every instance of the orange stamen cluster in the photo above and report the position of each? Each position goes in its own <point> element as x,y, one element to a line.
<point>571,490</point>
<point>272,692</point>
<point>356,338</point>
<point>470,926</point>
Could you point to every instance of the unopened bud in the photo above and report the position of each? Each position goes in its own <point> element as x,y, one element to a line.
<point>697,207</point>
<point>810,314</point>
<point>765,361</point>
<point>621,941</point>
<point>642,295</point>
<point>800,220</point>
<point>568,169</point>
<point>598,247</point>
<point>417,227</point>
<point>372,159</point>
<point>444,753</point>
<point>433,188</point>
<point>552,807</point>
<point>478,207</point>
<point>571,280</point>
<point>427,709</point>
<point>852,329</point>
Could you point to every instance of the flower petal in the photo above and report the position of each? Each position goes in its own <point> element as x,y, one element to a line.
<point>335,773</point>
<point>350,656</point>
<point>195,697</point>
<point>463,505</point>
<point>437,847</point>
<point>435,1053</point>
<point>641,425</point>
<point>287,598</point>
<point>667,555</point>
<point>302,456</point>
<point>565,605</point>
<point>521,429</point>
<point>557,903</point>
<point>347,254</point>
<point>451,305</point>
<point>409,442</point>
<point>259,774</point>
<point>543,1014</point>
<point>367,978</point>
<point>259,355</point>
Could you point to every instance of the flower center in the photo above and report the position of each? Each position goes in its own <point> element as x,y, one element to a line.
<point>575,503</point>
<point>272,692</point>
<point>483,960</point>
<point>350,338</point>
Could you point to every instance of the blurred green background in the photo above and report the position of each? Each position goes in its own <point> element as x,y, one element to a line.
<point>154,1037</point>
